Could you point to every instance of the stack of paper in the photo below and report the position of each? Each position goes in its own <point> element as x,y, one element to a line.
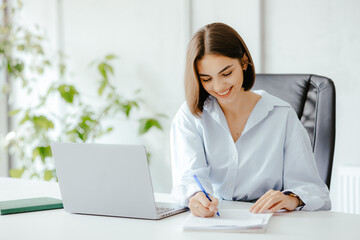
<point>238,220</point>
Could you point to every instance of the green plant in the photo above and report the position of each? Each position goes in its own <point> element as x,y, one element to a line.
<point>39,122</point>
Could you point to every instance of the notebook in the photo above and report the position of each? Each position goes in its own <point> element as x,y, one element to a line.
<point>230,220</point>
<point>109,180</point>
<point>29,205</point>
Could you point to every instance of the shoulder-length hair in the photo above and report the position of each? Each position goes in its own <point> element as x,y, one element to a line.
<point>215,38</point>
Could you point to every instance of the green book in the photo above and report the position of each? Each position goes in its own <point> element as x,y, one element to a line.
<point>29,205</point>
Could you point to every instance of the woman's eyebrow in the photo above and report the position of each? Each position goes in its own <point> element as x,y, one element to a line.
<point>205,75</point>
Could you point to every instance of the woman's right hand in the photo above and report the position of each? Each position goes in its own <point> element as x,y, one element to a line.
<point>200,206</point>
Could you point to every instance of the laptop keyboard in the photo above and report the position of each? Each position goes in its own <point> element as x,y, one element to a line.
<point>160,210</point>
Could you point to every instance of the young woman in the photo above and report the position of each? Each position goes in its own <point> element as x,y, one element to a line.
<point>243,145</point>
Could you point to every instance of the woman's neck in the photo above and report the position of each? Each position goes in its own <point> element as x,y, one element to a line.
<point>241,105</point>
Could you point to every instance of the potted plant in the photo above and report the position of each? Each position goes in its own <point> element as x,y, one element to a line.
<point>38,122</point>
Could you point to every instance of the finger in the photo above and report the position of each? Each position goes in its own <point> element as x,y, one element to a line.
<point>197,209</point>
<point>214,200</point>
<point>204,212</point>
<point>260,204</point>
<point>261,199</point>
<point>193,205</point>
<point>272,194</point>
<point>270,203</point>
<point>213,209</point>
<point>276,208</point>
<point>200,196</point>
<point>214,203</point>
<point>264,199</point>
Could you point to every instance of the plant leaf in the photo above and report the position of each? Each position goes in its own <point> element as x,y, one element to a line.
<point>42,122</point>
<point>137,91</point>
<point>9,68</point>
<point>14,112</point>
<point>104,68</point>
<point>16,173</point>
<point>110,56</point>
<point>62,69</point>
<point>72,135</point>
<point>101,68</point>
<point>110,68</point>
<point>134,104</point>
<point>48,175</point>
<point>25,118</point>
<point>147,123</point>
<point>102,87</point>
<point>43,152</point>
<point>47,63</point>
<point>68,92</point>
<point>19,67</point>
<point>34,175</point>
<point>85,127</point>
<point>126,108</point>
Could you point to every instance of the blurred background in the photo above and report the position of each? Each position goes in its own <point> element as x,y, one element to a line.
<point>135,50</point>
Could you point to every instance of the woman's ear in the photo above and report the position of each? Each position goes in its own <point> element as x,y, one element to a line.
<point>244,62</point>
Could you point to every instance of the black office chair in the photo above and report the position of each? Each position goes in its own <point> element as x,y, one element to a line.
<point>313,99</point>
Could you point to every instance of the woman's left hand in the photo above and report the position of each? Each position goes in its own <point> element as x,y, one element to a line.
<point>273,201</point>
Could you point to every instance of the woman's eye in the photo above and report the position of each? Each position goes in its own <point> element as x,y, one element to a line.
<point>206,80</point>
<point>228,74</point>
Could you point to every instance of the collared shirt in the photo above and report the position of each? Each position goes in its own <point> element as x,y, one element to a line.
<point>273,152</point>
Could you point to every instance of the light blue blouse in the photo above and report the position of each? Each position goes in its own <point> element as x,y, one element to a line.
<point>273,152</point>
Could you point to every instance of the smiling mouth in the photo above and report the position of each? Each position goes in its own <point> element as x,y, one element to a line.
<point>225,93</point>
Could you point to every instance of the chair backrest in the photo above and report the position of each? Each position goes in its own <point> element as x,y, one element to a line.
<point>313,99</point>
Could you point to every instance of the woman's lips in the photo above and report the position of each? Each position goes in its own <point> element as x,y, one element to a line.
<point>224,93</point>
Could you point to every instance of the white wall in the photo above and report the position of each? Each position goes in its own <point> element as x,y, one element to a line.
<point>243,16</point>
<point>319,37</point>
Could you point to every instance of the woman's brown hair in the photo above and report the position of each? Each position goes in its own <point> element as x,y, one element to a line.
<point>215,38</point>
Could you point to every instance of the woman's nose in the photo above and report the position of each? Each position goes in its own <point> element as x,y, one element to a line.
<point>218,86</point>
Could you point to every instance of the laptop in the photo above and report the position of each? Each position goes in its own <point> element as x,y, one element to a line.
<point>108,180</point>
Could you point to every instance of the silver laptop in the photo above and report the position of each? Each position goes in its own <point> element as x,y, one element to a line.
<point>110,180</point>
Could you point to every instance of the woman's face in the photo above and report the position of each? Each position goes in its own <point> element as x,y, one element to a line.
<point>222,77</point>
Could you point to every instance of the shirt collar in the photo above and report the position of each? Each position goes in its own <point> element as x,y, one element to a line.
<point>261,110</point>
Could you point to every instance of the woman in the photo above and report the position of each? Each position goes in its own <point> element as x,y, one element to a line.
<point>243,145</point>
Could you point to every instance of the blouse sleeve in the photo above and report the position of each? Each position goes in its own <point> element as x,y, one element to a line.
<point>300,172</point>
<point>188,157</point>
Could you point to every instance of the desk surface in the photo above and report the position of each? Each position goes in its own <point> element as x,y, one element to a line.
<point>58,224</point>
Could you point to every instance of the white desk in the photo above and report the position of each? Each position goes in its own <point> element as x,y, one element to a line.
<point>58,224</point>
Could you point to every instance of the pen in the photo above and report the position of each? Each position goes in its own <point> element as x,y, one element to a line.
<point>202,188</point>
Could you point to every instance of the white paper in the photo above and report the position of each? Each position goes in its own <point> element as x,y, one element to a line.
<point>230,219</point>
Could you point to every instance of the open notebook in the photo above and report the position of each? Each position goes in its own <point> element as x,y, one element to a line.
<point>230,220</point>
